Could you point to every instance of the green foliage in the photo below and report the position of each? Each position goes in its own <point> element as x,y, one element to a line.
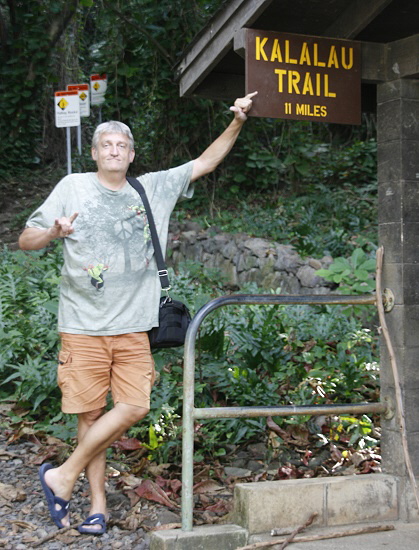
<point>31,31</point>
<point>334,212</point>
<point>263,355</point>
<point>246,355</point>
<point>354,275</point>
<point>28,334</point>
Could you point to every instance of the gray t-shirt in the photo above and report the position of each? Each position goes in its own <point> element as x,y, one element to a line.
<point>109,281</point>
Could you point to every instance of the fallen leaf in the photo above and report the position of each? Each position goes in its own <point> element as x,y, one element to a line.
<point>131,444</point>
<point>5,455</point>
<point>157,469</point>
<point>221,507</point>
<point>130,482</point>
<point>22,524</point>
<point>11,493</point>
<point>207,486</point>
<point>151,491</point>
<point>273,426</point>
<point>167,526</point>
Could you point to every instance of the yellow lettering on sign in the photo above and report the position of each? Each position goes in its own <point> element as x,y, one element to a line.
<point>276,54</point>
<point>317,63</point>
<point>289,59</point>
<point>308,85</point>
<point>316,84</point>
<point>305,55</point>
<point>333,58</point>
<point>348,64</point>
<point>259,48</point>
<point>326,87</point>
<point>293,80</point>
<point>281,73</point>
<point>303,109</point>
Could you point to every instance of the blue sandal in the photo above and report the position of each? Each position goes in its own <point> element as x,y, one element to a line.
<point>52,500</point>
<point>95,519</point>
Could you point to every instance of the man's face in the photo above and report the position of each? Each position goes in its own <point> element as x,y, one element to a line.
<point>113,153</point>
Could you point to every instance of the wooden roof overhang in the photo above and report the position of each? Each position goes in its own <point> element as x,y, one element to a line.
<point>214,67</point>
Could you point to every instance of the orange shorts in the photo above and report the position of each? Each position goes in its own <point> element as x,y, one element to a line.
<point>90,366</point>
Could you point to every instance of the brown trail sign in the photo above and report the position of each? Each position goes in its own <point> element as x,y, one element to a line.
<point>303,77</point>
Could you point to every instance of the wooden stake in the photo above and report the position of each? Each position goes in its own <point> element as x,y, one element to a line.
<point>283,542</point>
<point>393,362</point>
<point>53,535</point>
<point>297,530</point>
<point>331,535</point>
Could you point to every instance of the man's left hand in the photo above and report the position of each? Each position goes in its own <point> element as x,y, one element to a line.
<point>242,106</point>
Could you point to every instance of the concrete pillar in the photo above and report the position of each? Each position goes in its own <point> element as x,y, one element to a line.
<point>398,188</point>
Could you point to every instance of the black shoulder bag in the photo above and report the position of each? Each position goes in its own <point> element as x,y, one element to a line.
<point>174,316</point>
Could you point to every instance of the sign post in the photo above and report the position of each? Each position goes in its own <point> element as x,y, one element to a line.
<point>304,77</point>
<point>83,92</point>
<point>98,86</point>
<point>67,114</point>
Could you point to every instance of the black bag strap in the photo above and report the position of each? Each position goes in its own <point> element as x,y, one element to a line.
<point>161,265</point>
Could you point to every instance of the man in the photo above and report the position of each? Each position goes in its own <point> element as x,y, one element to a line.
<point>109,298</point>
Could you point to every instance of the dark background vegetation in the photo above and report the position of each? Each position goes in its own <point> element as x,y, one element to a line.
<point>307,184</point>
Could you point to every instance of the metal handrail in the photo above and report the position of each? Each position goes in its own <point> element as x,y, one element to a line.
<point>190,413</point>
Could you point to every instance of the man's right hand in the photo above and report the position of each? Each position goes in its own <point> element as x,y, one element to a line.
<point>63,227</point>
<point>33,238</point>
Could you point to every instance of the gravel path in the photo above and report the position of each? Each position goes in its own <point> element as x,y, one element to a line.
<point>25,521</point>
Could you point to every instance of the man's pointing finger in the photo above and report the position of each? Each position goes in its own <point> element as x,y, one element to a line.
<point>252,94</point>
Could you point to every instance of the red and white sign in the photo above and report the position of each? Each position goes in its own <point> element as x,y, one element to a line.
<point>67,109</point>
<point>83,91</point>
<point>98,85</point>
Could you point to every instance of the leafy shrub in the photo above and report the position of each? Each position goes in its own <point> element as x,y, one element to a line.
<point>246,355</point>
<point>28,333</point>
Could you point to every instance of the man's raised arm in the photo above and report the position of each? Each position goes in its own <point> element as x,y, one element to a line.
<point>34,238</point>
<point>219,149</point>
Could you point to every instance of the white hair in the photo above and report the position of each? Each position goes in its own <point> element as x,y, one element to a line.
<point>112,127</point>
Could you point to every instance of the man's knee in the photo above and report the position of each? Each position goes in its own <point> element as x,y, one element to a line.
<point>131,413</point>
<point>90,417</point>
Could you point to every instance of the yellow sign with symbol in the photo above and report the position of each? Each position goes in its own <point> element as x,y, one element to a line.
<point>63,103</point>
<point>83,91</point>
<point>98,85</point>
<point>67,109</point>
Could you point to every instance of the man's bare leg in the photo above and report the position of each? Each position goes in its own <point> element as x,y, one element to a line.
<point>105,431</point>
<point>95,470</point>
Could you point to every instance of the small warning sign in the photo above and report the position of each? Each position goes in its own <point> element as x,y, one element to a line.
<point>67,109</point>
<point>83,91</point>
<point>98,85</point>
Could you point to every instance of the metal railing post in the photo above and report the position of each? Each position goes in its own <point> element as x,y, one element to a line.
<point>190,413</point>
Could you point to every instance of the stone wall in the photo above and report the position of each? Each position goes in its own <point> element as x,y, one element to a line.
<point>245,259</point>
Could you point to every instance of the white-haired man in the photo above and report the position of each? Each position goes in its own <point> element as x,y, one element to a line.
<point>109,297</point>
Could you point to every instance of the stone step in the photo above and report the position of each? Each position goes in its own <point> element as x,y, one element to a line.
<point>260,507</point>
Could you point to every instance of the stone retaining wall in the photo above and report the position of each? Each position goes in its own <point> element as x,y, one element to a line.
<point>245,259</point>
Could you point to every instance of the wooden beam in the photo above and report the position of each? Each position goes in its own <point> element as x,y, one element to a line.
<point>215,41</point>
<point>225,87</point>
<point>356,17</point>
<point>240,42</point>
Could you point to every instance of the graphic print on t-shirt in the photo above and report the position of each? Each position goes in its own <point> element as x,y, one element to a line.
<point>96,274</point>
<point>115,238</point>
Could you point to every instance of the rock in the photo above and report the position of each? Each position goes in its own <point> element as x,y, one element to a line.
<point>242,259</point>
<point>237,472</point>
<point>308,278</point>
